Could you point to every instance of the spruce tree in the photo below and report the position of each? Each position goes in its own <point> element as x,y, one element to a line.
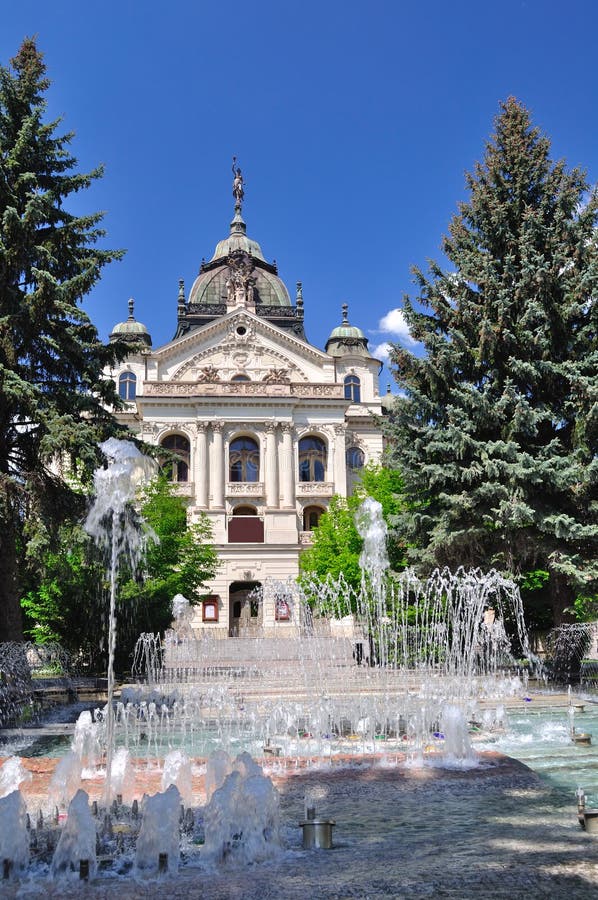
<point>53,399</point>
<point>496,434</point>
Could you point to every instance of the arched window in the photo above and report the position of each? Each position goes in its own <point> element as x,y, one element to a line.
<point>311,517</point>
<point>244,511</point>
<point>355,458</point>
<point>244,459</point>
<point>312,459</point>
<point>178,469</point>
<point>127,386</point>
<point>240,378</point>
<point>353,389</point>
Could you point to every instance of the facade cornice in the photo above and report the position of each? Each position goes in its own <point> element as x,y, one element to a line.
<point>241,389</point>
<point>222,325</point>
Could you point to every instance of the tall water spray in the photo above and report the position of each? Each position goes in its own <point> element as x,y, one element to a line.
<point>116,527</point>
<point>373,560</point>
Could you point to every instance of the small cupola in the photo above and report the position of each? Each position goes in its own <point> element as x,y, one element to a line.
<point>347,339</point>
<point>132,331</point>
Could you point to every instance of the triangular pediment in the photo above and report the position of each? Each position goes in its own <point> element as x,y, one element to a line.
<point>242,345</point>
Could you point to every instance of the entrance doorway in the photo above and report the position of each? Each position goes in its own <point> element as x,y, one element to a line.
<point>245,614</point>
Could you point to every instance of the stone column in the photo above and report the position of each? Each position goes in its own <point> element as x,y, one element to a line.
<point>271,464</point>
<point>201,465</point>
<point>339,463</point>
<point>287,467</point>
<point>217,466</point>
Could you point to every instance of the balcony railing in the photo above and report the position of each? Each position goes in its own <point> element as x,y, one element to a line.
<point>184,488</point>
<point>245,489</point>
<point>314,489</point>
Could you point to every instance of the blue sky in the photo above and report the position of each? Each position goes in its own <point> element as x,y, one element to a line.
<point>353,123</point>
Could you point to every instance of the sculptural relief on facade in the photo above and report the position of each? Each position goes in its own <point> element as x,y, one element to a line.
<point>277,376</point>
<point>208,373</point>
<point>240,331</point>
<point>240,284</point>
<point>241,388</point>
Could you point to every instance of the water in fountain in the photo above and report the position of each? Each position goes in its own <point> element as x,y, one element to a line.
<point>159,833</point>
<point>77,840</point>
<point>87,740</point>
<point>12,774</point>
<point>177,771</point>
<point>122,775</point>
<point>242,818</point>
<point>219,766</point>
<point>457,749</point>
<point>115,526</point>
<point>65,779</point>
<point>15,681</point>
<point>352,671</point>
<point>14,836</point>
<point>565,646</point>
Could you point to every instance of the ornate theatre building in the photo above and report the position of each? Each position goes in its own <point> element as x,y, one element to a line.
<point>265,426</point>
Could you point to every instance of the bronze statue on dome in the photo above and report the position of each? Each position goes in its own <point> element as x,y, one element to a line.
<point>238,188</point>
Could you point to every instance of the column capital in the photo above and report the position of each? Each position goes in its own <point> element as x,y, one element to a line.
<point>218,426</point>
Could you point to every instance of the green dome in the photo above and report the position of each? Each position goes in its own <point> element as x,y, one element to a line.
<point>133,331</point>
<point>351,332</point>
<point>210,286</point>
<point>347,339</point>
<point>237,240</point>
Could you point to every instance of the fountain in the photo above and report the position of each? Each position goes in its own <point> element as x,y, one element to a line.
<point>367,671</point>
<point>115,526</point>
<point>395,672</point>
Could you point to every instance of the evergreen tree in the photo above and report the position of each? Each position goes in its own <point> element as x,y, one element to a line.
<point>53,400</point>
<point>496,435</point>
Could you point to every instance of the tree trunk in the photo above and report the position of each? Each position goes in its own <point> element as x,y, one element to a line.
<point>562,596</point>
<point>11,620</point>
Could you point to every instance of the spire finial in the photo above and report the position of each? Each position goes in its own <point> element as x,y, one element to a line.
<point>238,186</point>
<point>345,309</point>
<point>181,297</point>
<point>131,306</point>
<point>299,300</point>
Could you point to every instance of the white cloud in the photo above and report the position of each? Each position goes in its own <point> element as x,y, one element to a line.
<point>382,352</point>
<point>394,323</point>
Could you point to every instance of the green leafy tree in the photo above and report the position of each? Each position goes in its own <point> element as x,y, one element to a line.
<point>69,604</point>
<point>53,400</point>
<point>180,561</point>
<point>496,434</point>
<point>336,543</point>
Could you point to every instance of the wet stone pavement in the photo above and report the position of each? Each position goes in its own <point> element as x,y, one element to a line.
<point>494,831</point>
